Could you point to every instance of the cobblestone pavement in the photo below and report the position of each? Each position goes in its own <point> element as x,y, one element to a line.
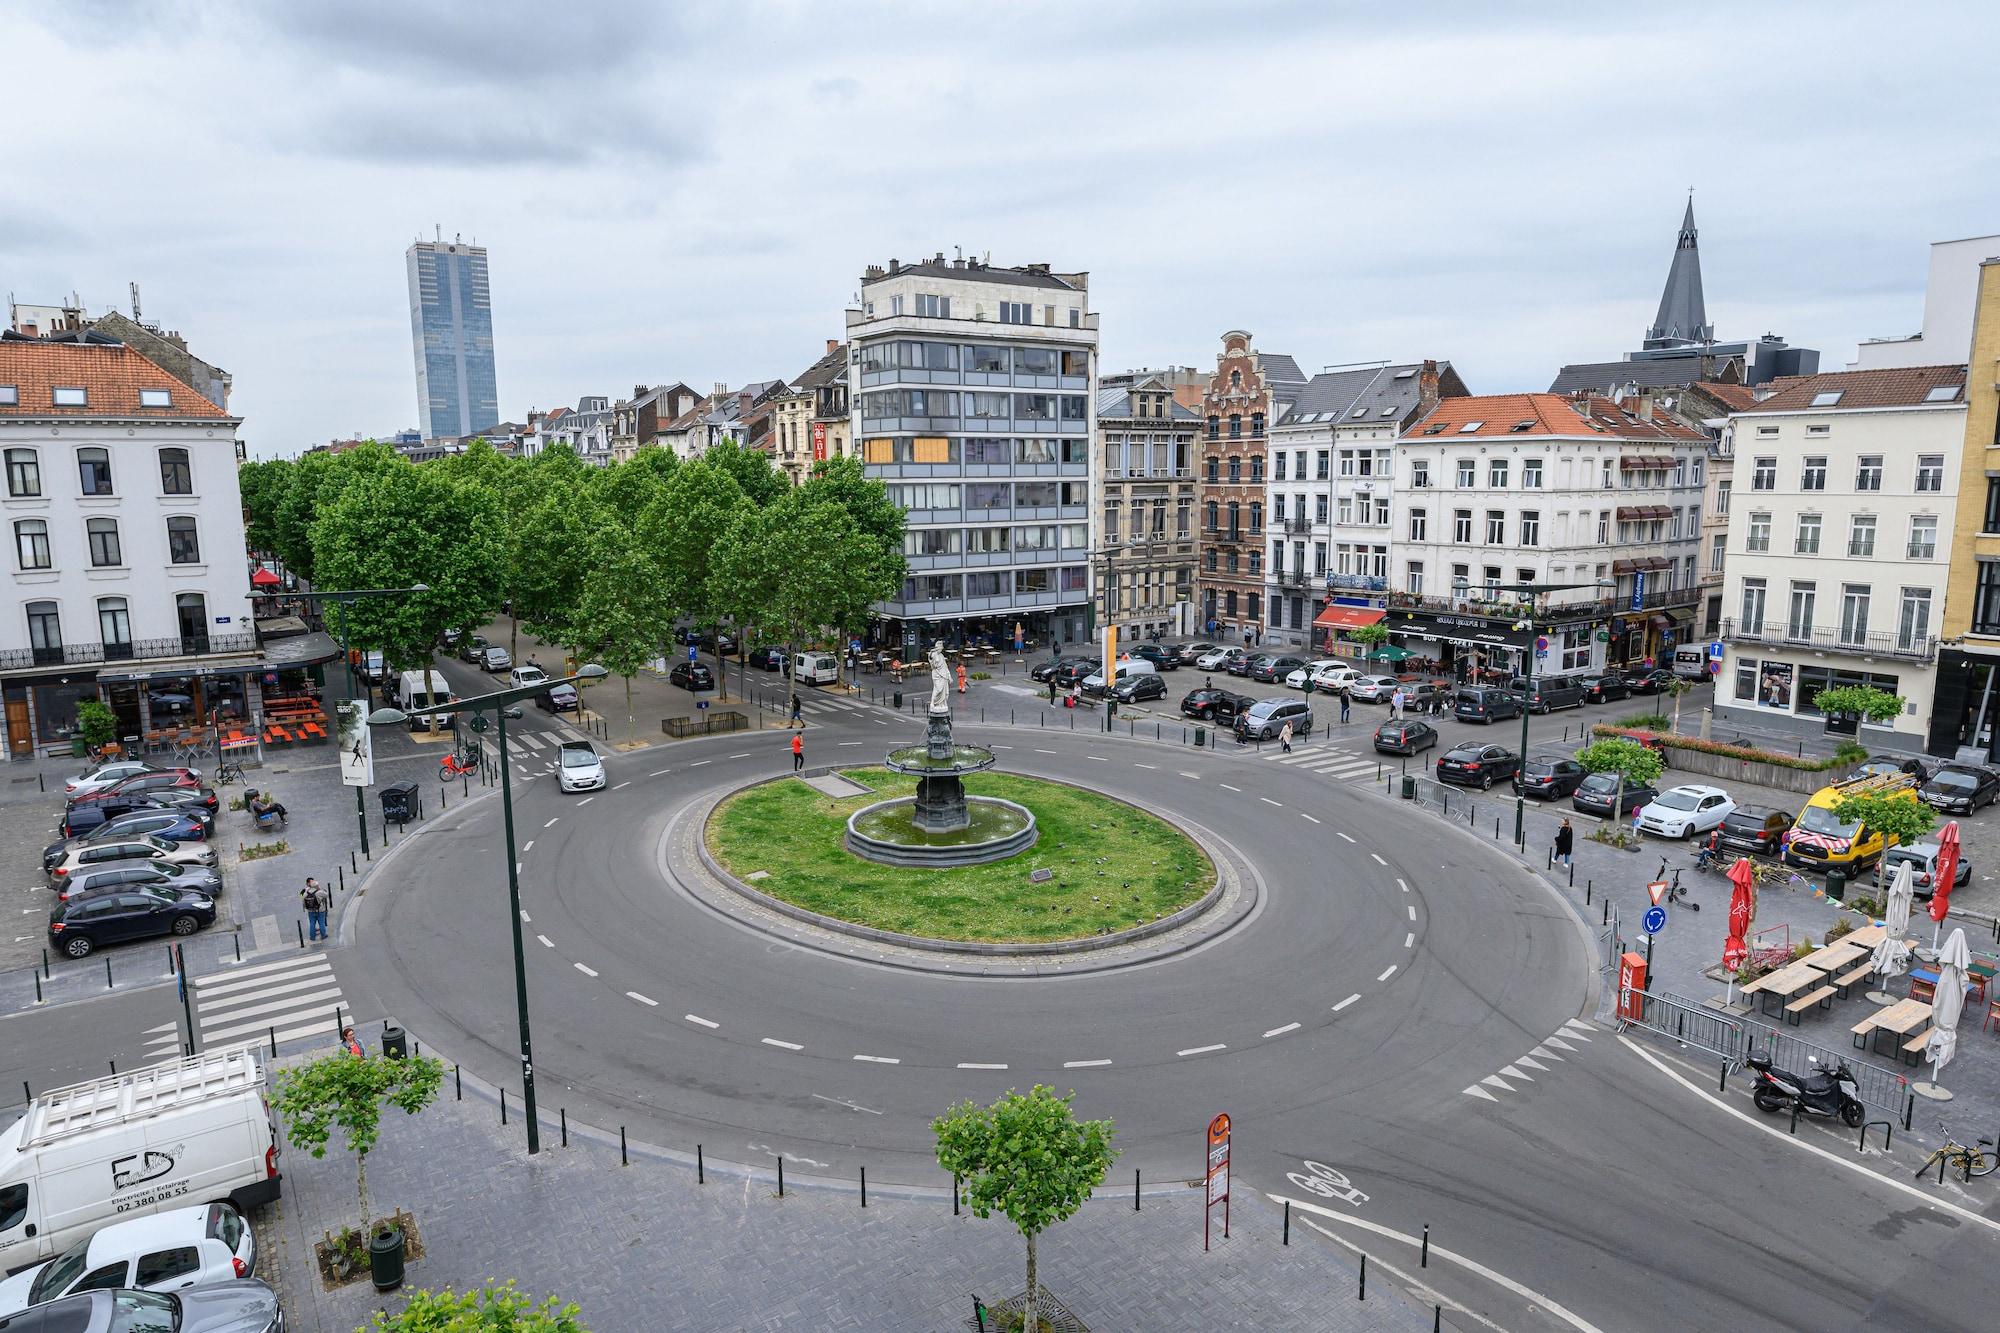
<point>644,1249</point>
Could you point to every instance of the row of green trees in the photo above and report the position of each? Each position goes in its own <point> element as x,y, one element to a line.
<point>603,561</point>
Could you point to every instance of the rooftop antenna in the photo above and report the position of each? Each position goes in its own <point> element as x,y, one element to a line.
<point>135,304</point>
<point>438,228</point>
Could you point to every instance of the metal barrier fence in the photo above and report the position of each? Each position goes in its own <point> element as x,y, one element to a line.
<point>1683,1021</point>
<point>1883,1089</point>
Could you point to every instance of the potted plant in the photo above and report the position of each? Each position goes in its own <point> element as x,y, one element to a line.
<point>96,724</point>
<point>1845,707</point>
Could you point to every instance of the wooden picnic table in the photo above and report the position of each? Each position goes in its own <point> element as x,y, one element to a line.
<point>1834,956</point>
<point>1781,988</point>
<point>1898,1020</point>
<point>1868,936</point>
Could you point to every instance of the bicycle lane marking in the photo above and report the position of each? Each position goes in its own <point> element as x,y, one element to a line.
<point>1814,1149</point>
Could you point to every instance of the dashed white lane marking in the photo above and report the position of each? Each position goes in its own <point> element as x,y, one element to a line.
<point>1378,859</point>
<point>1152,766</point>
<point>1045,752</point>
<point>1389,973</point>
<point>547,943</point>
<point>970,1065</point>
<point>879,1059</point>
<point>587,971</point>
<point>586,800</point>
<point>1268,801</point>
<point>1279,1032</point>
<point>626,783</point>
<point>783,1045</point>
<point>1184,773</point>
<point>1411,908</point>
<point>528,846</point>
<point>659,772</point>
<point>1098,757</point>
<point>699,762</point>
<point>552,822</point>
<point>1204,1050</point>
<point>635,995</point>
<point>997,747</point>
<point>1344,835</point>
<point>739,756</point>
<point>1226,787</point>
<point>528,919</point>
<point>1084,1064</point>
<point>1410,940</point>
<point>847,742</point>
<point>697,1018</point>
<point>1344,1003</point>
<point>1401,885</point>
<point>1304,815</point>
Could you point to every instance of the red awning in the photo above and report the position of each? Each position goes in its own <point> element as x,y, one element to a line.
<point>264,578</point>
<point>1347,617</point>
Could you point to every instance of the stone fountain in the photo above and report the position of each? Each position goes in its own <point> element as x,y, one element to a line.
<point>941,826</point>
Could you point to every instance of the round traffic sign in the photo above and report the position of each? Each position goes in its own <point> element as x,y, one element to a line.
<point>1655,919</point>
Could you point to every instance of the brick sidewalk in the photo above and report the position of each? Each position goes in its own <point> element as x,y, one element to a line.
<point>644,1247</point>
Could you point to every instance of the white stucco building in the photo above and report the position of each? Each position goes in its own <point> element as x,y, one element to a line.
<point>1840,537</point>
<point>1950,293</point>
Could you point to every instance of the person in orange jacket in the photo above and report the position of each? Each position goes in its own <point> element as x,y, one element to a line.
<point>798,751</point>
<point>961,678</point>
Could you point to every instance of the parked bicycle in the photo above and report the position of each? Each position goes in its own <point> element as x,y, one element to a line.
<point>1970,1161</point>
<point>227,773</point>
<point>460,764</point>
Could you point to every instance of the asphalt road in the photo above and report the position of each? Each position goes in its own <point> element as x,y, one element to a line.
<point>1585,1176</point>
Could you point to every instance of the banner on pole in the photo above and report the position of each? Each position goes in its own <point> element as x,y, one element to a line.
<point>1217,1181</point>
<point>357,746</point>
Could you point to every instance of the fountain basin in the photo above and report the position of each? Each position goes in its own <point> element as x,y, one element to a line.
<point>886,832</point>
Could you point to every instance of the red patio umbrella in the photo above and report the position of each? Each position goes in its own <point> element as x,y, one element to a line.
<point>264,578</point>
<point>1742,909</point>
<point>1946,873</point>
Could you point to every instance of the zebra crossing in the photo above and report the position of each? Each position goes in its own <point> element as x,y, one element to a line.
<point>1340,765</point>
<point>295,997</point>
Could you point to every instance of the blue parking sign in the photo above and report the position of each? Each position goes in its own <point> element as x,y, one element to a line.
<point>690,652</point>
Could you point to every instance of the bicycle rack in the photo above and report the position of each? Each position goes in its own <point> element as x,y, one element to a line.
<point>1888,1132</point>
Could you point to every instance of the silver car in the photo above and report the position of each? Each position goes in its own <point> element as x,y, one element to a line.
<point>1374,689</point>
<point>495,658</point>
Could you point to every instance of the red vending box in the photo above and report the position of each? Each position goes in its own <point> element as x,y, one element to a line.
<point>1631,986</point>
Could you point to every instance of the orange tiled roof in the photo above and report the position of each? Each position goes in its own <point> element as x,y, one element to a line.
<point>1736,397</point>
<point>1547,414</point>
<point>110,374</point>
<point>1900,386</point>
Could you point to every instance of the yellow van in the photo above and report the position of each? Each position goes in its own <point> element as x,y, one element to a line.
<point>1818,840</point>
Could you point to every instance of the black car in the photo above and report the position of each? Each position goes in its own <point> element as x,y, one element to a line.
<point>691,676</point>
<point>1073,669</point>
<point>1042,671</point>
<point>1161,659</point>
<point>721,644</point>
<point>1598,793</point>
<point>768,658</point>
<point>1653,680</point>
<point>171,825</point>
<point>559,698</point>
<point>1484,703</point>
<point>1138,689</point>
<point>1245,664</point>
<point>472,648</point>
<point>85,921</point>
<point>1960,789</point>
<point>1756,829</point>
<point>239,1305</point>
<point>87,816</point>
<point>1405,737</point>
<point>1269,668</point>
<point>1476,765</point>
<point>1214,705</point>
<point>1602,689</point>
<point>1549,777</point>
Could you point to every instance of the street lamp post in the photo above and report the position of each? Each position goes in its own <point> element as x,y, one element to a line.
<point>340,599</point>
<point>499,702</point>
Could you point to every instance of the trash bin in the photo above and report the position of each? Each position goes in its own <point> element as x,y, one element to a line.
<point>1409,786</point>
<point>1836,883</point>
<point>399,802</point>
<point>395,1042</point>
<point>899,701</point>
<point>385,1257</point>
<point>1200,737</point>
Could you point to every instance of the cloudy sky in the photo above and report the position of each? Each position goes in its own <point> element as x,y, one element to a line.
<point>690,192</point>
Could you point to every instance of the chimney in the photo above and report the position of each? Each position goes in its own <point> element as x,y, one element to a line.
<point>743,402</point>
<point>721,392</point>
<point>832,346</point>
<point>638,391</point>
<point>1427,389</point>
<point>895,267</point>
<point>1642,404</point>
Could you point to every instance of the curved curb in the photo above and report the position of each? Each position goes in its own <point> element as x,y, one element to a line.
<point>1236,894</point>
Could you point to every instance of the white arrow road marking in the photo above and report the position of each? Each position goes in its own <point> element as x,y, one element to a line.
<point>1532,1063</point>
<point>1558,1041</point>
<point>1344,1003</point>
<point>1573,1034</point>
<point>1498,1279</point>
<point>697,1018</point>
<point>1545,1053</point>
<point>1512,1072</point>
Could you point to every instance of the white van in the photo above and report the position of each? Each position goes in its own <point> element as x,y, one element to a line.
<point>423,689</point>
<point>1691,661</point>
<point>816,668</point>
<point>189,1131</point>
<point>1093,684</point>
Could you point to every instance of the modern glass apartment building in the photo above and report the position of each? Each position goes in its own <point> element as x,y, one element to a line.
<point>451,325</point>
<point>973,399</point>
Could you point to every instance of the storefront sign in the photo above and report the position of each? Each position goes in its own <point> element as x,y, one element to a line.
<point>819,441</point>
<point>1774,685</point>
<point>1638,588</point>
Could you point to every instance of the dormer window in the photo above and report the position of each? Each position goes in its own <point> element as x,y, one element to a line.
<point>10,395</point>
<point>70,397</point>
<point>155,398</point>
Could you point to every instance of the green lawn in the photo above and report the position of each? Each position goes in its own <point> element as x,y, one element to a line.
<point>1115,867</point>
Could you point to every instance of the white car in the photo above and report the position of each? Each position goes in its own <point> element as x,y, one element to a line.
<point>494,658</point>
<point>97,779</point>
<point>183,1247</point>
<point>526,675</point>
<point>1679,811</point>
<point>1332,678</point>
<point>1297,679</point>
<point>1373,689</point>
<point>143,847</point>
<point>578,767</point>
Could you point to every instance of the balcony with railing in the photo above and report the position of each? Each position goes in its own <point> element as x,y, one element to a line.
<point>1476,604</point>
<point>1298,523</point>
<point>1290,578</point>
<point>1877,643</point>
<point>95,654</point>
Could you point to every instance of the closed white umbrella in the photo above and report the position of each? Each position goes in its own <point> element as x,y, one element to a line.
<point>1892,956</point>
<point>1954,962</point>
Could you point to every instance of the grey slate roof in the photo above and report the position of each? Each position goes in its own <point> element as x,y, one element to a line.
<point>1117,402</point>
<point>1013,277</point>
<point>1666,372</point>
<point>1331,397</point>
<point>1682,317</point>
<point>826,370</point>
<point>1280,369</point>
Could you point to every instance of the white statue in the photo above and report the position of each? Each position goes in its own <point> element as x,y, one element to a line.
<point>940,679</point>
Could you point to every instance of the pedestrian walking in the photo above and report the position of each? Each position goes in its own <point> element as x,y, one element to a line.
<point>1053,687</point>
<point>1396,705</point>
<point>1285,736</point>
<point>961,678</point>
<point>313,898</point>
<point>1346,703</point>
<point>1565,842</point>
<point>798,752</point>
<point>798,718</point>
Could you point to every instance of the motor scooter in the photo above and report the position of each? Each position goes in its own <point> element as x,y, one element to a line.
<point>1829,1095</point>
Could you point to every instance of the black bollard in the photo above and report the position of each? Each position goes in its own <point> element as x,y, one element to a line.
<point>1364,1278</point>
<point>274,1039</point>
<point>107,972</point>
<point>564,1112</point>
<point>864,1187</point>
<point>1424,1258</point>
<point>781,1176</point>
<point>623,1158</point>
<point>700,1167</point>
<point>302,932</point>
<point>954,1190</point>
<point>1135,1189</point>
<point>38,986</point>
<point>503,1106</point>
<point>458,1083</point>
<point>1288,1221</point>
<point>237,938</point>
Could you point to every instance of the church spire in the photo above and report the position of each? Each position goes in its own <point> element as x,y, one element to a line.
<point>1683,319</point>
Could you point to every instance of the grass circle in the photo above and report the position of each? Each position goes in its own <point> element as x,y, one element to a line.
<point>1115,866</point>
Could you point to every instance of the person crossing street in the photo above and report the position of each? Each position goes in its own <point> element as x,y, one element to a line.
<point>1346,703</point>
<point>1285,736</point>
<point>798,751</point>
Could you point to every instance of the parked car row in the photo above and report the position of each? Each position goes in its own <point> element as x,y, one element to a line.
<point>135,860</point>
